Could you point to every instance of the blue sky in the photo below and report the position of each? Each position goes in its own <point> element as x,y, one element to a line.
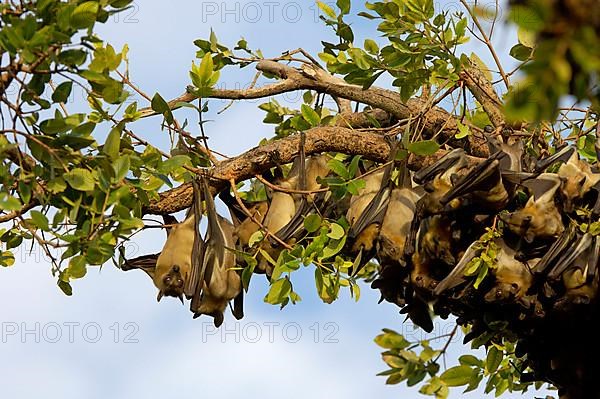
<point>159,350</point>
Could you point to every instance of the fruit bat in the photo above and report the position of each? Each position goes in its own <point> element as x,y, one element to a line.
<point>220,283</point>
<point>434,252</point>
<point>395,228</point>
<point>173,272</point>
<point>579,271</point>
<point>539,218</point>
<point>366,213</point>
<point>513,277</point>
<point>437,180</point>
<point>577,181</point>
<point>392,237</point>
<point>418,311</point>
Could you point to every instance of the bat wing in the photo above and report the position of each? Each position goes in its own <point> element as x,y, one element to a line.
<point>563,154</point>
<point>442,165</point>
<point>373,213</point>
<point>457,275</point>
<point>556,250</point>
<point>146,263</point>
<point>594,260</point>
<point>543,188</point>
<point>238,306</point>
<point>198,249</point>
<point>570,256</point>
<point>473,180</point>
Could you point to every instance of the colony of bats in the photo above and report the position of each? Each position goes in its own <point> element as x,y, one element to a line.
<point>534,218</point>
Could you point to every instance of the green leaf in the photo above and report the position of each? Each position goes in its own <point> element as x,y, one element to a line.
<point>327,10</point>
<point>391,340</point>
<point>310,115</point>
<point>160,106</point>
<point>205,70</point>
<point>173,163</point>
<point>371,46</point>
<point>457,376</point>
<point>62,92</point>
<point>463,130</point>
<point>424,148</point>
<point>493,360</point>
<point>84,15</point>
<point>65,287</point>
<point>336,232</point>
<point>113,142</point>
<point>9,203</point>
<point>80,179</point>
<point>77,267</point>
<point>279,291</point>
<point>121,167</point>
<point>40,220</point>
<point>344,6</point>
<point>255,238</point>
<point>312,223</point>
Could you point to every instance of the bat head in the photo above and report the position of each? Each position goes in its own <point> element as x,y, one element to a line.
<point>572,189</point>
<point>172,283</point>
<point>502,292</point>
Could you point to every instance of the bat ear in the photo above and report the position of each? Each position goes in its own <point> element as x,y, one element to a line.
<point>159,296</point>
<point>181,299</point>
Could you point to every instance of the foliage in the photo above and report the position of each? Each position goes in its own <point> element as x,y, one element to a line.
<point>80,182</point>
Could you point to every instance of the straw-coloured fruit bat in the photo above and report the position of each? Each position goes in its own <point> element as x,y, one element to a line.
<point>395,228</point>
<point>513,277</point>
<point>174,264</point>
<point>579,271</point>
<point>577,181</point>
<point>220,282</point>
<point>434,253</point>
<point>366,213</point>
<point>540,217</point>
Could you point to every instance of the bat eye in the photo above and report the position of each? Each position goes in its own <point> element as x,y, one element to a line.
<point>180,282</point>
<point>515,287</point>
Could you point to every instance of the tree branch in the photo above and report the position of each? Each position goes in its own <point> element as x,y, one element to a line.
<point>370,144</point>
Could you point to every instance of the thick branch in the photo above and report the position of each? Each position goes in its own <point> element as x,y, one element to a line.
<point>370,144</point>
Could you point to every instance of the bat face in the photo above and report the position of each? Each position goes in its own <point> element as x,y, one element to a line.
<point>577,180</point>
<point>173,265</point>
<point>513,277</point>
<point>539,218</point>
